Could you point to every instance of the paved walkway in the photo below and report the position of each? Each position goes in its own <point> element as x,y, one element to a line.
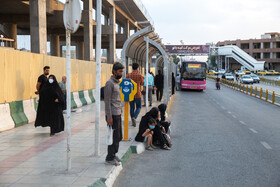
<point>30,157</point>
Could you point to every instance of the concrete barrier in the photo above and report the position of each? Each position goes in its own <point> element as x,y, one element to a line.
<point>29,110</point>
<point>77,99</point>
<point>87,98</point>
<point>17,113</point>
<point>6,121</point>
<point>82,98</point>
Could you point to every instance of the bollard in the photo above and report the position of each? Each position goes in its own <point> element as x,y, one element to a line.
<point>266,95</point>
<point>256,91</point>
<point>247,89</point>
<point>243,88</point>
<point>273,97</point>
<point>251,90</point>
<point>261,93</point>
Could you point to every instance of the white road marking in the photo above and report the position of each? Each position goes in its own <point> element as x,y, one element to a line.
<point>223,107</point>
<point>229,112</point>
<point>266,145</point>
<point>253,130</point>
<point>234,116</point>
<point>243,123</point>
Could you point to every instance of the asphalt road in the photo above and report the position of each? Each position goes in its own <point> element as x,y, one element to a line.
<point>220,138</point>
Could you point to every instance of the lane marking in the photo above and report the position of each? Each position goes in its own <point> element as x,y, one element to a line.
<point>243,123</point>
<point>234,116</point>
<point>253,130</point>
<point>266,145</point>
<point>229,112</point>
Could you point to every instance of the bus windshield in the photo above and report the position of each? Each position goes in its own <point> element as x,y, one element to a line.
<point>193,71</point>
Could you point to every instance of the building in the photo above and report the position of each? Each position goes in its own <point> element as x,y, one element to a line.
<point>265,49</point>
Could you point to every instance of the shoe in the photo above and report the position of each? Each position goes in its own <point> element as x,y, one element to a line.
<point>112,162</point>
<point>150,104</point>
<point>149,148</point>
<point>144,105</point>
<point>133,122</point>
<point>51,134</point>
<point>118,159</point>
<point>154,147</point>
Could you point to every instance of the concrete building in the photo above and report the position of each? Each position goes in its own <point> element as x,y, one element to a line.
<point>265,49</point>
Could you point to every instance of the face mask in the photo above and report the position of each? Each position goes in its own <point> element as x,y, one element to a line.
<point>118,77</point>
<point>152,127</point>
<point>51,81</point>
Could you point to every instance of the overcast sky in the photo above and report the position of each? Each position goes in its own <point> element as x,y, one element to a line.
<point>202,21</point>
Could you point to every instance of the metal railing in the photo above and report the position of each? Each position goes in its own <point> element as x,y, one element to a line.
<point>270,81</point>
<point>6,42</point>
<point>266,95</point>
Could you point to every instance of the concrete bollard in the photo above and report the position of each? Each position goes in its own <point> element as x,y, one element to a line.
<point>256,91</point>
<point>266,95</point>
<point>251,90</point>
<point>261,93</point>
<point>273,97</point>
<point>247,89</point>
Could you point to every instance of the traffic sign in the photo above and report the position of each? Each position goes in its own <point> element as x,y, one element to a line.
<point>128,89</point>
<point>72,15</point>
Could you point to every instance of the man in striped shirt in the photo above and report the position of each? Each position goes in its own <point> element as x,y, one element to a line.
<point>139,79</point>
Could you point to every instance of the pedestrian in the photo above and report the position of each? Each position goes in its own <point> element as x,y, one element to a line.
<point>150,88</point>
<point>51,106</point>
<point>178,82</point>
<point>153,90</point>
<point>43,79</point>
<point>173,84</point>
<point>163,121</point>
<point>113,109</point>
<point>139,79</point>
<point>62,85</point>
<point>159,85</point>
<point>148,134</point>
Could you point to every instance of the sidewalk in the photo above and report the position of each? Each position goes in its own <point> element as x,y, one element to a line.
<point>30,157</point>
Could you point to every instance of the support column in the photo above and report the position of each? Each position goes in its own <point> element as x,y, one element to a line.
<point>38,26</point>
<point>112,36</point>
<point>88,30</point>
<point>80,50</point>
<point>126,29</point>
<point>55,45</point>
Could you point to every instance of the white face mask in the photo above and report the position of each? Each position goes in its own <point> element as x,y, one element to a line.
<point>51,81</point>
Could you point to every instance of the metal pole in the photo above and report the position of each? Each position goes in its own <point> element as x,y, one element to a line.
<point>147,67</point>
<point>165,79</point>
<point>68,104</point>
<point>98,75</point>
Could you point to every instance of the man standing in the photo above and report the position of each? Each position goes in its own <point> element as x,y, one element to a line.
<point>159,85</point>
<point>139,79</point>
<point>113,109</point>
<point>43,79</point>
<point>150,89</point>
<point>178,82</point>
<point>62,85</point>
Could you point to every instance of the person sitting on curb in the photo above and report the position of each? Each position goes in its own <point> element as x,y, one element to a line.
<point>163,121</point>
<point>148,134</point>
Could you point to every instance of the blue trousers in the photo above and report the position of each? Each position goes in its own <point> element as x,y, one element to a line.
<point>134,113</point>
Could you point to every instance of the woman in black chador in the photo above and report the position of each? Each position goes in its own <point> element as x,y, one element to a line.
<point>51,106</point>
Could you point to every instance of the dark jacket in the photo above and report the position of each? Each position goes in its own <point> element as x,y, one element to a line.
<point>159,81</point>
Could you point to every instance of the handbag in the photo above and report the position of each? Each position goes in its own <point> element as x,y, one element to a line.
<point>109,135</point>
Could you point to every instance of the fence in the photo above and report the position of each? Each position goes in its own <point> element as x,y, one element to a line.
<point>270,81</point>
<point>266,95</point>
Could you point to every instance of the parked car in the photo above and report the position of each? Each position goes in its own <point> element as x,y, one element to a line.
<point>229,76</point>
<point>261,72</point>
<point>273,72</point>
<point>246,79</point>
<point>240,73</point>
<point>212,72</point>
<point>222,71</point>
<point>255,78</point>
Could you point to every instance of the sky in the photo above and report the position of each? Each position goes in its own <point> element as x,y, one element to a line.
<point>204,21</point>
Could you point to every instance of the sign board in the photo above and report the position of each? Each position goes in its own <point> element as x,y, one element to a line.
<point>128,89</point>
<point>187,49</point>
<point>72,15</point>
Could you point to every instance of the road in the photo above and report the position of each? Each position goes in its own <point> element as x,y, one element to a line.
<point>220,138</point>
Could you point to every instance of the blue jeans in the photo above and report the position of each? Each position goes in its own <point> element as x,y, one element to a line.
<point>134,113</point>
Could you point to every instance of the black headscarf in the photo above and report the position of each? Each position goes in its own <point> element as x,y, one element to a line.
<point>57,91</point>
<point>162,109</point>
<point>153,113</point>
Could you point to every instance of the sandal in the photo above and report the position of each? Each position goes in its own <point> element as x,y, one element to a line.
<point>165,147</point>
<point>153,146</point>
<point>149,148</point>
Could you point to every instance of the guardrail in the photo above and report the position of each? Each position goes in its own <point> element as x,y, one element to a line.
<point>266,95</point>
<point>270,81</point>
<point>6,42</point>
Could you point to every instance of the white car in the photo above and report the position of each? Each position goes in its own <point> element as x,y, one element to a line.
<point>246,79</point>
<point>228,76</point>
<point>222,71</point>
<point>255,78</point>
<point>278,79</point>
<point>240,72</point>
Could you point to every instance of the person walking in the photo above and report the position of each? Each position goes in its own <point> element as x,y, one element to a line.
<point>159,85</point>
<point>139,79</point>
<point>113,109</point>
<point>43,79</point>
<point>173,84</point>
<point>62,85</point>
<point>178,82</point>
<point>150,89</point>
<point>51,106</point>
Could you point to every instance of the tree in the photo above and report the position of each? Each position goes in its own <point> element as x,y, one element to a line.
<point>176,59</point>
<point>213,61</point>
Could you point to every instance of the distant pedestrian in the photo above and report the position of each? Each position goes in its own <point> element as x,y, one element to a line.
<point>150,88</point>
<point>173,84</point>
<point>113,109</point>
<point>51,105</point>
<point>178,82</point>
<point>159,85</point>
<point>139,79</point>
<point>43,79</point>
<point>62,85</point>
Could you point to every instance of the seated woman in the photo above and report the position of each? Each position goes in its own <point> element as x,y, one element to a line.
<point>165,123</point>
<point>148,134</point>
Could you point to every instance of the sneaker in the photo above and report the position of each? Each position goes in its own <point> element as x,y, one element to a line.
<point>149,148</point>
<point>153,146</point>
<point>118,159</point>
<point>112,162</point>
<point>133,122</point>
<point>150,104</point>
